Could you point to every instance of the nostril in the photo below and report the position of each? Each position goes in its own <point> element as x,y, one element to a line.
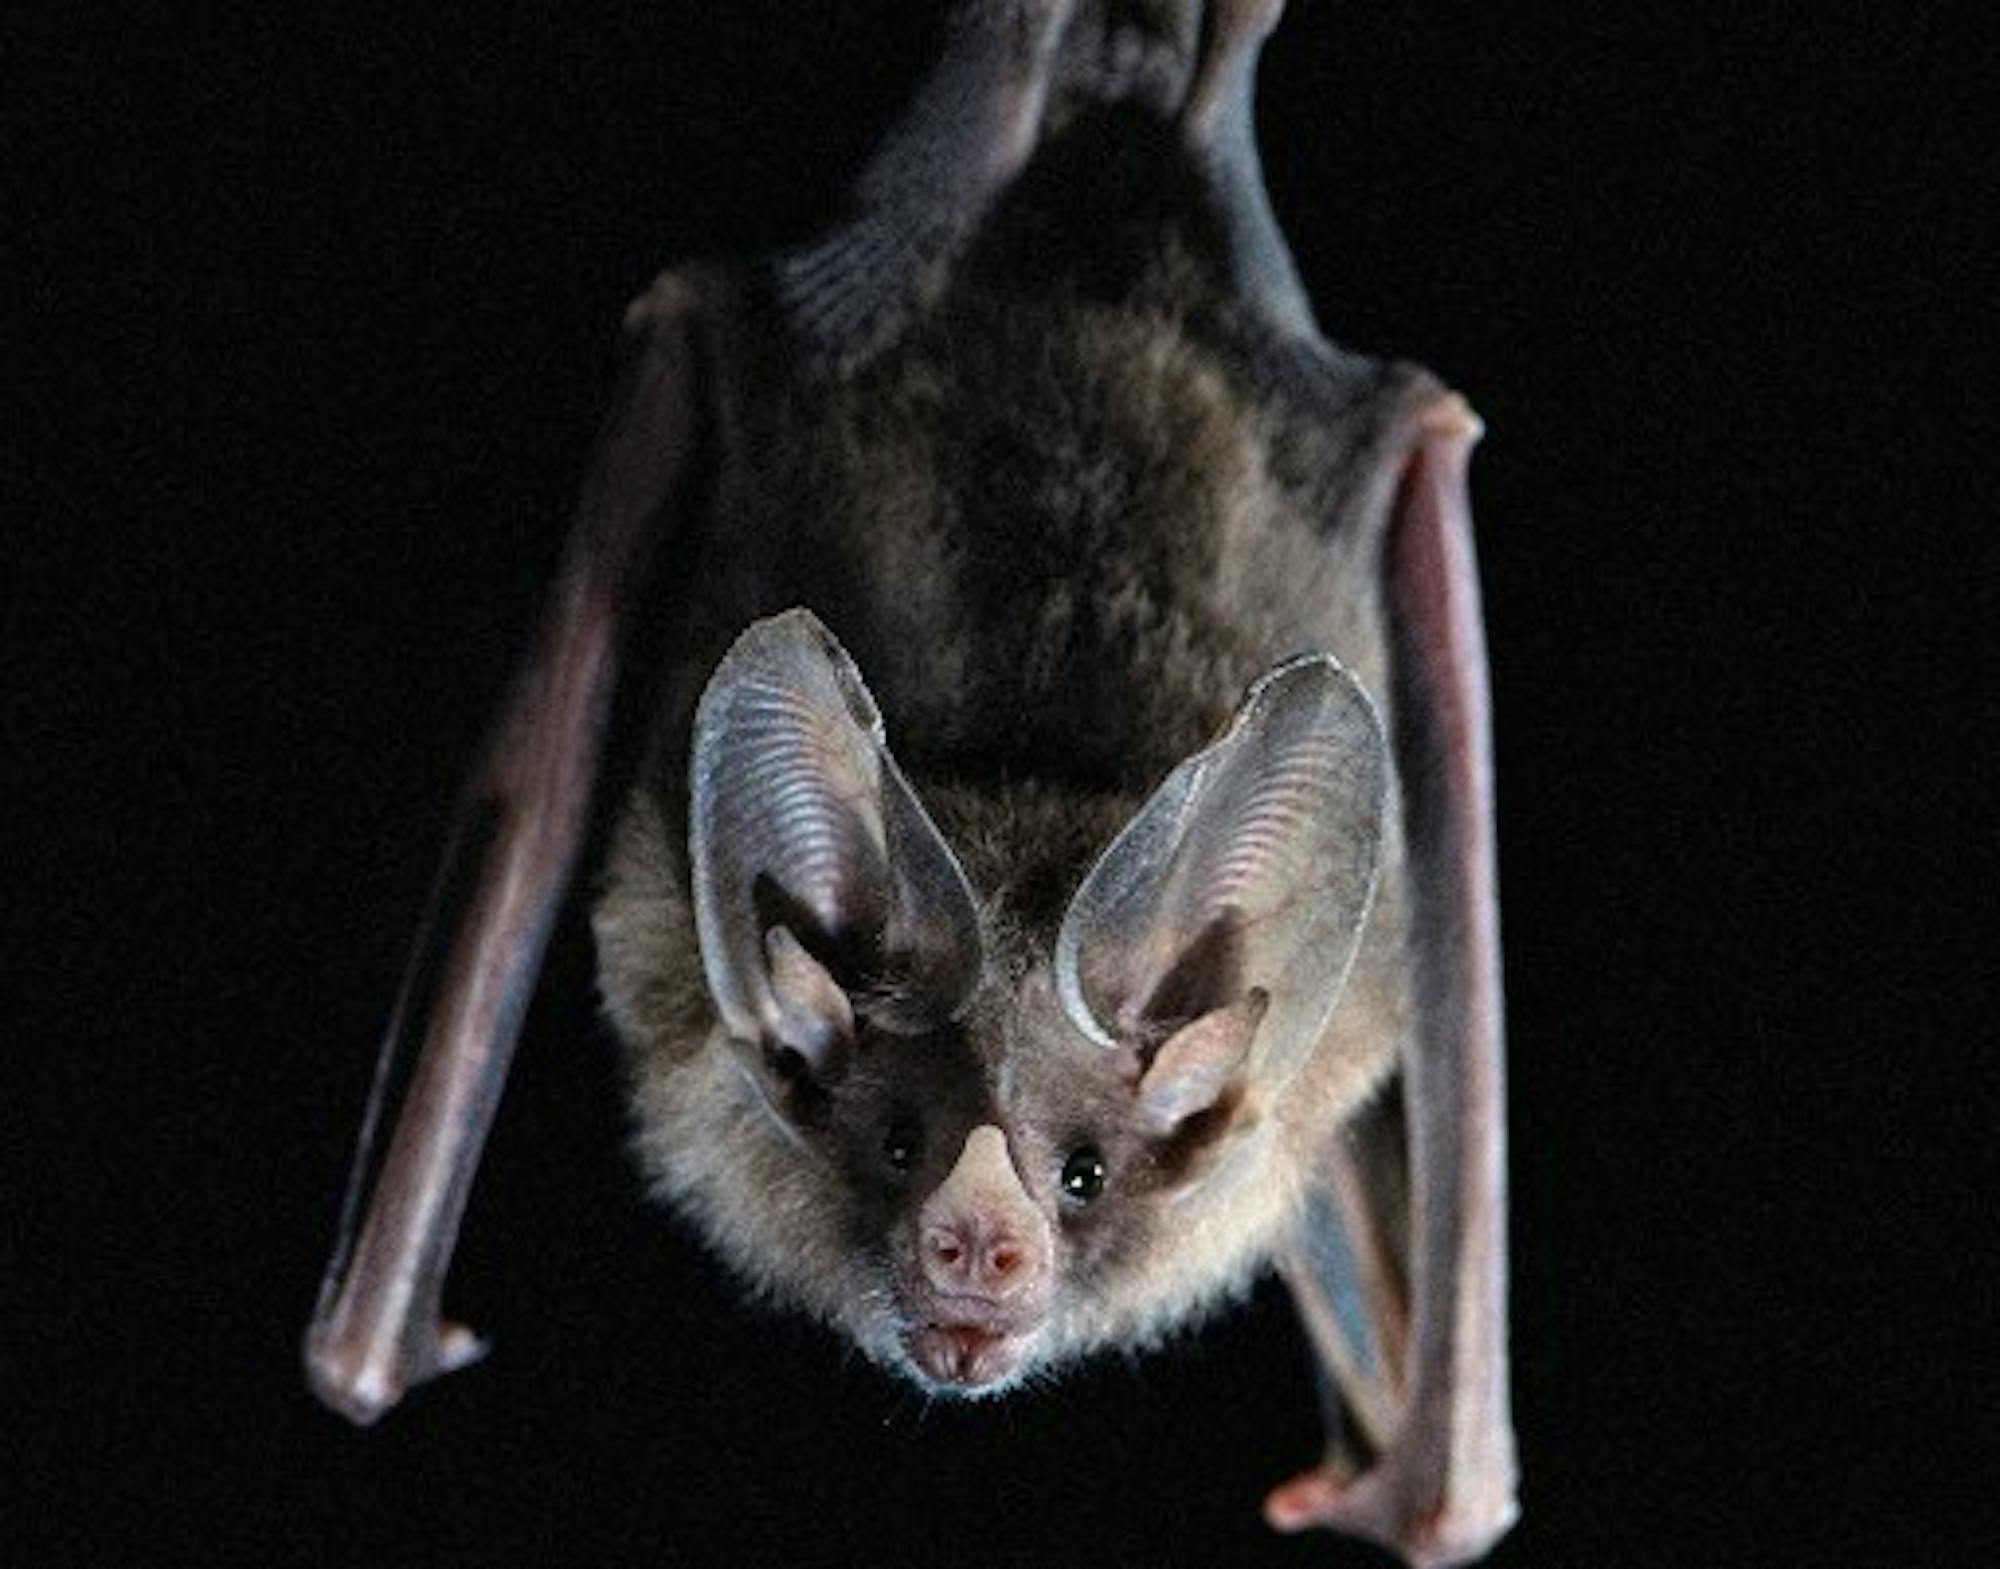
<point>946,1248</point>
<point>975,1256</point>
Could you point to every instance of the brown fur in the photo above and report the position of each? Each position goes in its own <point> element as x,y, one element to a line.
<point>1045,432</point>
<point>1061,528</point>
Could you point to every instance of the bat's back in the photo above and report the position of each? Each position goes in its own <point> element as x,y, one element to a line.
<point>1069,503</point>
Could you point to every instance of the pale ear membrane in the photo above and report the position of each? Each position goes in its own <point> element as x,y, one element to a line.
<point>1196,1065</point>
<point>1251,869</point>
<point>815,1017</point>
<point>820,886</point>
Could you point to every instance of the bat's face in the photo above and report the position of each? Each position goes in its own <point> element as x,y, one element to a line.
<point>984,1201</point>
<point>1024,1195</point>
<point>986,1123</point>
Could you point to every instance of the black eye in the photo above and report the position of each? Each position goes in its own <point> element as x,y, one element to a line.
<point>1083,1174</point>
<point>902,1144</point>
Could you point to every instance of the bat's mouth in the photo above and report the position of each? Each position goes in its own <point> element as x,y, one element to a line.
<point>967,1358</point>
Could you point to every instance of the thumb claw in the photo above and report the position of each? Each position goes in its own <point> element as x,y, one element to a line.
<point>1308,1499</point>
<point>1377,1507</point>
<point>458,1347</point>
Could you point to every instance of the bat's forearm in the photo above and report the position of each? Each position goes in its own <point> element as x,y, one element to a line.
<point>1442,1488</point>
<point>1450,1480</point>
<point>1457,1065</point>
<point>376,1330</point>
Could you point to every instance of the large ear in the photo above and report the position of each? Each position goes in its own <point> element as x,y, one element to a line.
<point>1251,870</point>
<point>820,886</point>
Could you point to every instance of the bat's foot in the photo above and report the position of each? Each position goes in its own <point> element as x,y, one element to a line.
<point>1221,88</point>
<point>1394,1516</point>
<point>363,1381</point>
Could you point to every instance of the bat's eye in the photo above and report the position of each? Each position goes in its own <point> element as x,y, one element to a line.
<point>902,1144</point>
<point>1083,1174</point>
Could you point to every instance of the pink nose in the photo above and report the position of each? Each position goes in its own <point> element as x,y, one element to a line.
<point>980,1236</point>
<point>964,1256</point>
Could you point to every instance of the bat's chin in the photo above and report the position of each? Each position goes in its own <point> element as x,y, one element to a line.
<point>971,1344</point>
<point>969,1358</point>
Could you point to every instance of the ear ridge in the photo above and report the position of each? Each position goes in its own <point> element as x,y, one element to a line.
<point>799,817</point>
<point>1272,833</point>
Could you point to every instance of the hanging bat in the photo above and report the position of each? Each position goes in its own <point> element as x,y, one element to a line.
<point>1162,948</point>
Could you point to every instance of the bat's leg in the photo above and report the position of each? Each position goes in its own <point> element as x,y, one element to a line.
<point>1442,1489</point>
<point>1348,1270</point>
<point>1218,121</point>
<point>973,125</point>
<point>376,1330</point>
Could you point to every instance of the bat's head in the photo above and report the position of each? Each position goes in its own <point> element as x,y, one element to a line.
<point>988,1134</point>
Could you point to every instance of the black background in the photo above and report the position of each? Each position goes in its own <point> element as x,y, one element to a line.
<point>314,326</point>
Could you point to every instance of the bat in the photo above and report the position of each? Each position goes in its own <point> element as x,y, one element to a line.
<point>1162,947</point>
